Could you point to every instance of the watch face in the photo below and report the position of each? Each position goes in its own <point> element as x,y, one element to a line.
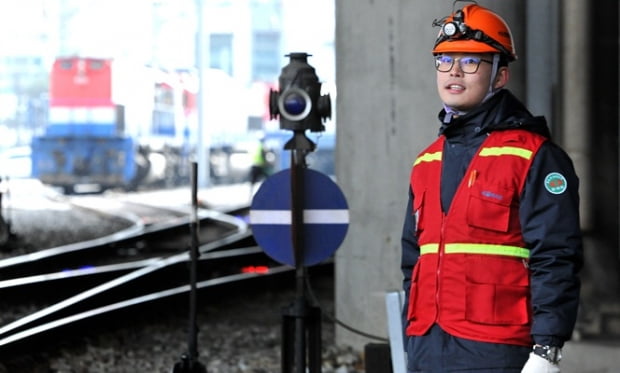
<point>550,353</point>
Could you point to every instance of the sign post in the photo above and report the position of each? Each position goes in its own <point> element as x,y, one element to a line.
<point>289,215</point>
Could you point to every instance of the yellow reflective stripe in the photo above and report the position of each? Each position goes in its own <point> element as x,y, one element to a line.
<point>429,248</point>
<point>428,157</point>
<point>472,248</point>
<point>505,150</point>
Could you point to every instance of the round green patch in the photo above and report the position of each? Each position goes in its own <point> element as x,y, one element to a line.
<point>555,183</point>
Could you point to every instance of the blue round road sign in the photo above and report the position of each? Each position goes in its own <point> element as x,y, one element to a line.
<point>325,217</point>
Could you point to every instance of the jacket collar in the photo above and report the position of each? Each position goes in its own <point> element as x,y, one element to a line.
<point>500,112</point>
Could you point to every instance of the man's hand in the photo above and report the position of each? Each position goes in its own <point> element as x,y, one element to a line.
<point>537,364</point>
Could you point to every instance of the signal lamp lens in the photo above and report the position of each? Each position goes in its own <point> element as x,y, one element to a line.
<point>295,104</point>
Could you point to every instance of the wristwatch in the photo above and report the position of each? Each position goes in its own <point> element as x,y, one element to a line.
<point>552,354</point>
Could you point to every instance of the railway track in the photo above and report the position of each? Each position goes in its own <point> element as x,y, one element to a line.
<point>62,290</point>
<point>139,240</point>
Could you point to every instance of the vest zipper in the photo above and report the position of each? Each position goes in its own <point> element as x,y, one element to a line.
<point>440,255</point>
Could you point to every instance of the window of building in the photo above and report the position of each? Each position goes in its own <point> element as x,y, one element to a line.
<point>221,52</point>
<point>266,56</point>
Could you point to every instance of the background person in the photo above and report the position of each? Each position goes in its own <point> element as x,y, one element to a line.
<point>261,167</point>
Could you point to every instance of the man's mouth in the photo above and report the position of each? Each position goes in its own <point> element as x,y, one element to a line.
<point>455,87</point>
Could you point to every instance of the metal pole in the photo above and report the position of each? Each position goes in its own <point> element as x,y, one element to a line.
<point>297,209</point>
<point>307,319</point>
<point>193,336</point>
<point>189,363</point>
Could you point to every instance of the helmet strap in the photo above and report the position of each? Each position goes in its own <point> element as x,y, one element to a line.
<point>494,70</point>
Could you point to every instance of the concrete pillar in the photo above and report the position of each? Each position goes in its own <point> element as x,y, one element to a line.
<point>542,74</point>
<point>383,75</point>
<point>387,112</point>
<point>576,96</point>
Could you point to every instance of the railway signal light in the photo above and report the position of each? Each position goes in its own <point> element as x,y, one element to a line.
<point>299,102</point>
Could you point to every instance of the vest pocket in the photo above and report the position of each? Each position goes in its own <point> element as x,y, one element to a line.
<point>489,208</point>
<point>497,291</point>
<point>497,304</point>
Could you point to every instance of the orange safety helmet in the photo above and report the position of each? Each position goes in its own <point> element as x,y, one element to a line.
<point>474,29</point>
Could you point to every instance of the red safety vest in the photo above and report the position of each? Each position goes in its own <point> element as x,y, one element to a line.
<point>472,276</point>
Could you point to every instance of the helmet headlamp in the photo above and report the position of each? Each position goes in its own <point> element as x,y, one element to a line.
<point>449,29</point>
<point>458,25</point>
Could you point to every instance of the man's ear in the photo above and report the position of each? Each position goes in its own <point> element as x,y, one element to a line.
<point>502,77</point>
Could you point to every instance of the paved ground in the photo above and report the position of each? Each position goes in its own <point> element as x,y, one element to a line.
<point>219,197</point>
<point>591,357</point>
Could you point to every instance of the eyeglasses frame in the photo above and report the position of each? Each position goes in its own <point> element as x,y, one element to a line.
<point>459,62</point>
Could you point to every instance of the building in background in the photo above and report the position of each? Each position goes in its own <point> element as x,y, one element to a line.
<point>247,42</point>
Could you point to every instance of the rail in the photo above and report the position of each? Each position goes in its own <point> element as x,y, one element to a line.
<point>97,290</point>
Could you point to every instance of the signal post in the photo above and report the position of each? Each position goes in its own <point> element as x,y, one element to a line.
<point>317,209</point>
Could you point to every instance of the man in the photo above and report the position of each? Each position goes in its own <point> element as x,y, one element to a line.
<point>491,241</point>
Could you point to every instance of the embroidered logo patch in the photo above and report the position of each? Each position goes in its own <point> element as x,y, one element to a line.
<point>555,183</point>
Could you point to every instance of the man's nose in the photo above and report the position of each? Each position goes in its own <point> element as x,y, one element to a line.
<point>456,67</point>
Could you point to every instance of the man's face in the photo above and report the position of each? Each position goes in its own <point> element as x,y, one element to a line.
<point>464,91</point>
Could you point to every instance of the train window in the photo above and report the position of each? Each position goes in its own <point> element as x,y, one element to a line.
<point>163,94</point>
<point>66,64</point>
<point>96,64</point>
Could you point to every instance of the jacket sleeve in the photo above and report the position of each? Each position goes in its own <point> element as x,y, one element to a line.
<point>410,255</point>
<point>550,224</point>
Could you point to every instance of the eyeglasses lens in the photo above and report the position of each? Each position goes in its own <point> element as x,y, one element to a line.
<point>467,64</point>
